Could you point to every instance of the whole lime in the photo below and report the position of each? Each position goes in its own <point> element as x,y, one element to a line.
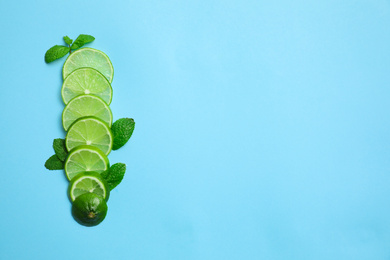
<point>89,209</point>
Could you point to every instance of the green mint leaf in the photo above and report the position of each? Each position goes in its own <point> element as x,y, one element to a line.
<point>81,40</point>
<point>56,52</point>
<point>114,175</point>
<point>60,148</point>
<point>122,129</point>
<point>53,163</point>
<point>68,40</point>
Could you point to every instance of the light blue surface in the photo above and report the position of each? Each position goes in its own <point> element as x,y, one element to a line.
<point>262,130</point>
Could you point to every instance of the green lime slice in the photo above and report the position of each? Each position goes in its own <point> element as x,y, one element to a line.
<point>86,81</point>
<point>88,57</point>
<point>86,182</point>
<point>86,105</point>
<point>89,131</point>
<point>89,209</point>
<point>85,158</point>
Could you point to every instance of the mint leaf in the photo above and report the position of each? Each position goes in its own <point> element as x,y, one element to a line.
<point>81,40</point>
<point>60,148</point>
<point>68,40</point>
<point>114,175</point>
<point>53,163</point>
<point>56,52</point>
<point>122,129</point>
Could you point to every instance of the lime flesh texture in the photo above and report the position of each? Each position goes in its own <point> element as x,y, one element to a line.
<point>86,105</point>
<point>86,182</point>
<point>89,131</point>
<point>85,158</point>
<point>88,57</point>
<point>86,81</point>
<point>89,209</point>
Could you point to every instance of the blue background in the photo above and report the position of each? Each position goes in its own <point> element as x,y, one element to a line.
<point>262,129</point>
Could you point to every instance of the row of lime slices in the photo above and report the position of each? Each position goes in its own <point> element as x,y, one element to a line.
<point>87,118</point>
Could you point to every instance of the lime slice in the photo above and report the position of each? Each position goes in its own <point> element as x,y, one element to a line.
<point>86,105</point>
<point>88,57</point>
<point>89,131</point>
<point>85,158</point>
<point>86,182</point>
<point>89,209</point>
<point>86,81</point>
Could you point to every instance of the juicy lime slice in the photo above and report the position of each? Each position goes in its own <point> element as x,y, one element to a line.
<point>86,81</point>
<point>89,131</point>
<point>86,105</point>
<point>89,209</point>
<point>88,57</point>
<point>85,158</point>
<point>86,182</point>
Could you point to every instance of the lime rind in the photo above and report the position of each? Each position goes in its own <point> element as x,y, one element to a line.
<point>89,57</point>
<point>89,209</point>
<point>85,158</point>
<point>86,80</point>
<point>83,106</point>
<point>90,131</point>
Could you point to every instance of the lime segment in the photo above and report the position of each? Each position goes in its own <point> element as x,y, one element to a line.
<point>86,81</point>
<point>85,158</point>
<point>86,105</point>
<point>88,182</point>
<point>89,131</point>
<point>88,57</point>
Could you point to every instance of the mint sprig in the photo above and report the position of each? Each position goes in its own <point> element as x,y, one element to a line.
<point>53,163</point>
<point>68,40</point>
<point>60,148</point>
<point>122,129</point>
<point>114,175</point>
<point>58,51</point>
<point>81,40</point>
<point>56,161</point>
